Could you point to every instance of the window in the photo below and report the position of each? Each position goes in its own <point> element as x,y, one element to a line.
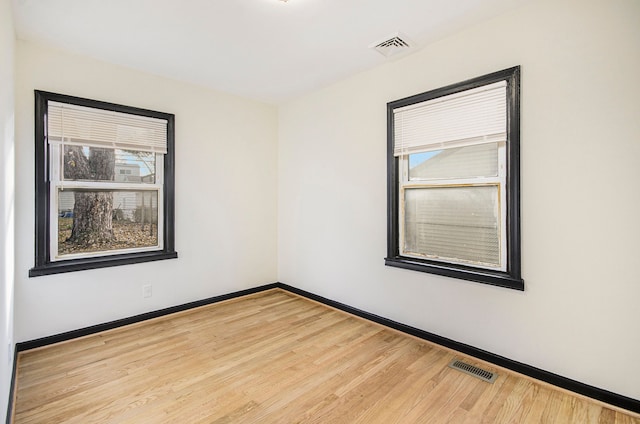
<point>453,181</point>
<point>104,184</point>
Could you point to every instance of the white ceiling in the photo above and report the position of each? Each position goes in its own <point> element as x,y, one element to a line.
<point>268,50</point>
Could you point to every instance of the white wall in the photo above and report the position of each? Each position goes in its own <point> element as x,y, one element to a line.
<point>579,316</point>
<point>318,172</point>
<point>7,45</point>
<point>225,197</point>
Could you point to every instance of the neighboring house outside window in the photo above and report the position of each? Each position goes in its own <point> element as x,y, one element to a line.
<point>453,181</point>
<point>104,184</point>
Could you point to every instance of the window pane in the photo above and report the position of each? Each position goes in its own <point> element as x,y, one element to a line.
<point>461,162</point>
<point>94,221</point>
<point>82,163</point>
<point>453,223</point>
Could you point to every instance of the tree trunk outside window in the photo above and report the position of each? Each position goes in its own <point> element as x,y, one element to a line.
<point>92,211</point>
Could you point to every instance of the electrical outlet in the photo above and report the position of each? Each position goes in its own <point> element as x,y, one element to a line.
<point>146,291</point>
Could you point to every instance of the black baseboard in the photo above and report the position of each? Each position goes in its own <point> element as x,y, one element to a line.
<point>12,386</point>
<point>69,335</point>
<point>611,398</point>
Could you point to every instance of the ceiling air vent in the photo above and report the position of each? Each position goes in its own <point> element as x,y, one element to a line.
<point>393,45</point>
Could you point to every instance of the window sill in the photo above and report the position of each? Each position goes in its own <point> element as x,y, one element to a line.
<point>99,262</point>
<point>494,278</point>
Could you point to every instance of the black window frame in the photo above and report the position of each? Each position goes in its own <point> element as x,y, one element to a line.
<point>511,278</point>
<point>42,262</point>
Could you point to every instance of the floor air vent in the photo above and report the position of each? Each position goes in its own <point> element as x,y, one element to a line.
<point>485,375</point>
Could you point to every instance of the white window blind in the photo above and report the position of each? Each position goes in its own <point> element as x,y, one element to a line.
<point>84,126</point>
<point>467,118</point>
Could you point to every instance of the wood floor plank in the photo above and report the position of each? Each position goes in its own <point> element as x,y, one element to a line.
<point>540,397</point>
<point>274,357</point>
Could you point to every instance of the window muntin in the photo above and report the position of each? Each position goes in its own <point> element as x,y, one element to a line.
<point>453,181</point>
<point>124,156</point>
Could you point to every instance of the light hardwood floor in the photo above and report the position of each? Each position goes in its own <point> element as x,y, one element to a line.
<point>274,357</point>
